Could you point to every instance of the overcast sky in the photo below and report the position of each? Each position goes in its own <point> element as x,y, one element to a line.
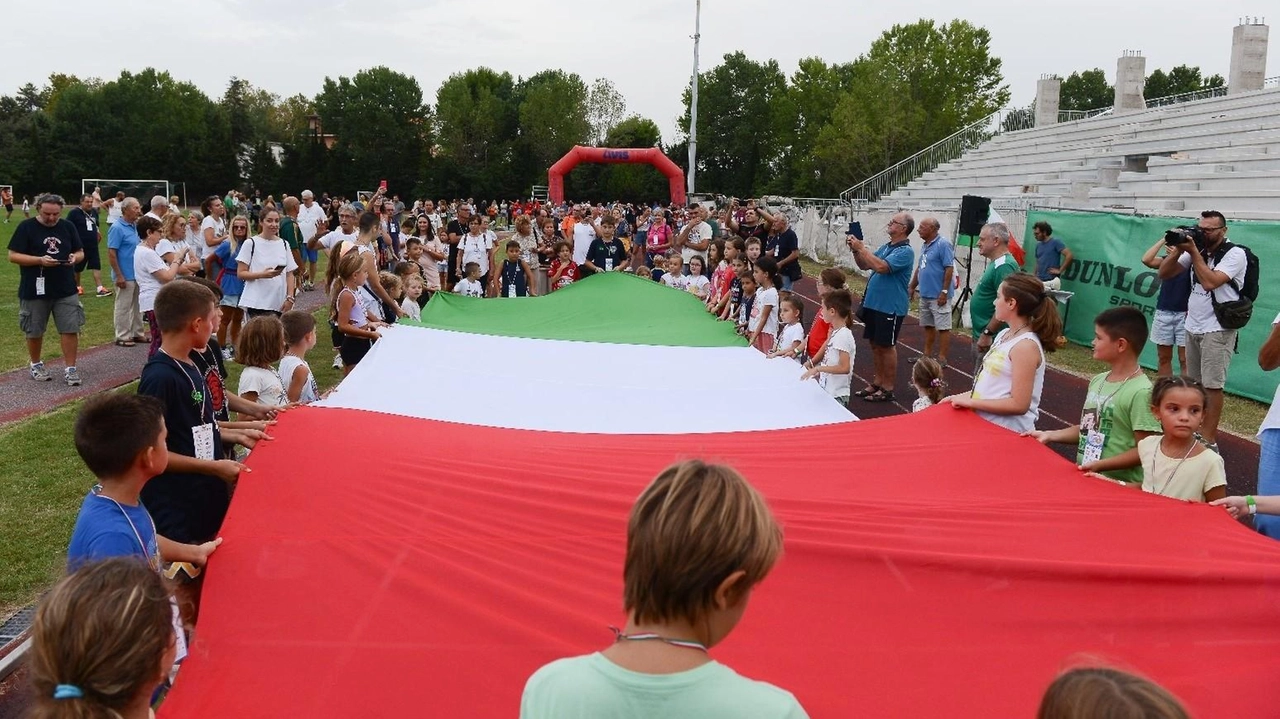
<point>645,47</point>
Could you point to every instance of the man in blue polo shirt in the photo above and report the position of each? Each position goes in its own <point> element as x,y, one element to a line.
<point>886,302</point>
<point>122,240</point>
<point>1052,256</point>
<point>933,279</point>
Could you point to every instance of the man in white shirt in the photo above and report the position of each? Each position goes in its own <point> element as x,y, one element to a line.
<point>313,223</point>
<point>346,231</point>
<point>695,238</point>
<point>584,233</point>
<point>1218,268</point>
<point>159,207</point>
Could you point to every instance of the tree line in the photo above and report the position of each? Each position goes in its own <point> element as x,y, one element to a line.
<point>488,134</point>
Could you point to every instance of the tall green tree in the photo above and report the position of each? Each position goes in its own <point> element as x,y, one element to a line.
<point>1179,80</point>
<point>381,125</point>
<point>741,123</point>
<point>476,122</point>
<point>917,84</point>
<point>812,94</point>
<point>1088,90</point>
<point>606,107</point>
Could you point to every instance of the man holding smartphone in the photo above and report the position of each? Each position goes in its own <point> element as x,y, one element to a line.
<point>46,249</point>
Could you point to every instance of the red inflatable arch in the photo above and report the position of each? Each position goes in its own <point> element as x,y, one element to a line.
<point>580,154</point>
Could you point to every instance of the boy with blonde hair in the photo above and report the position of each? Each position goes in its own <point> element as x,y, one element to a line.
<point>699,539</point>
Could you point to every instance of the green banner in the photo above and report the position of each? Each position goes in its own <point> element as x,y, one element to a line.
<point>1108,272</point>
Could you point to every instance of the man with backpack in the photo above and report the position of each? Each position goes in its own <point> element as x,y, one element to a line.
<point>1224,283</point>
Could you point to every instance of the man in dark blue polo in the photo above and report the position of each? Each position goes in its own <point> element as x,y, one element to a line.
<point>85,219</point>
<point>46,248</point>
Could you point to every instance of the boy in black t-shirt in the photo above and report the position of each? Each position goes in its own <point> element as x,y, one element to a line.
<point>190,498</point>
<point>606,253</point>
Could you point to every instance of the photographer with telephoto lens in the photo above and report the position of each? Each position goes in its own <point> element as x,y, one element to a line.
<point>1218,273</point>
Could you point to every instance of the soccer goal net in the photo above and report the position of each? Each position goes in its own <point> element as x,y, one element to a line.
<point>144,190</point>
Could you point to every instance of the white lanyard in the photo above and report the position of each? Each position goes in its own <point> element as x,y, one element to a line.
<point>1102,404</point>
<point>151,558</point>
<point>1178,466</point>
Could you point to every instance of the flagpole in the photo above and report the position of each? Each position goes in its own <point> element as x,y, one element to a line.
<point>693,97</point>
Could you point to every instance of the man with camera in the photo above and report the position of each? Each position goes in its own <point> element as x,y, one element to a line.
<point>1218,272</point>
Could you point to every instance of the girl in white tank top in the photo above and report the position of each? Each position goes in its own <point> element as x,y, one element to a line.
<point>1007,389</point>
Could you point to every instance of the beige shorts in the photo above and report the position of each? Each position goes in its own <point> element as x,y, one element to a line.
<point>1209,356</point>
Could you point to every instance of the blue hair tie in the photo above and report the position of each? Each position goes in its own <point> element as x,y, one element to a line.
<point>67,691</point>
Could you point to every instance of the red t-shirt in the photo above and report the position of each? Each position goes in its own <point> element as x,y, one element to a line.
<point>569,277</point>
<point>721,281</point>
<point>818,333</point>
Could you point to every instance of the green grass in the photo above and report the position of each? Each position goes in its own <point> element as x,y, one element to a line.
<point>43,482</point>
<point>1240,416</point>
<point>98,327</point>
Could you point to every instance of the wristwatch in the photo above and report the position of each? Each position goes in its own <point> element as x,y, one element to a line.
<point>987,331</point>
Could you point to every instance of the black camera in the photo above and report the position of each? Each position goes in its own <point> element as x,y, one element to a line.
<point>1184,234</point>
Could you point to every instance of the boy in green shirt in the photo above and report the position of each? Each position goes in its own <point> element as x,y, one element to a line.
<point>1117,408</point>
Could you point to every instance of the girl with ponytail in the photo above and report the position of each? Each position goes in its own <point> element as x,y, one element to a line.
<point>102,641</point>
<point>764,311</point>
<point>1007,388</point>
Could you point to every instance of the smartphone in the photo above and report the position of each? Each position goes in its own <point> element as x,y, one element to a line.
<point>280,268</point>
<point>855,229</point>
<point>382,185</point>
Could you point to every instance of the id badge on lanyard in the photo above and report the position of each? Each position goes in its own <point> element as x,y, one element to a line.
<point>40,289</point>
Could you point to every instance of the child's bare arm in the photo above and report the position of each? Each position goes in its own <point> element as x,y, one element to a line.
<point>1124,460</point>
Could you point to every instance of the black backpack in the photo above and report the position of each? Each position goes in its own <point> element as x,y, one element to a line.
<point>1235,314</point>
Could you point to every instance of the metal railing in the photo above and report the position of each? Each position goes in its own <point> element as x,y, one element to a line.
<point>942,151</point>
<point>1271,82</point>
<point>1073,115</point>
<point>1202,94</point>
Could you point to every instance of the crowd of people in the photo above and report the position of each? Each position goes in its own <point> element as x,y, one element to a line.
<point>220,283</point>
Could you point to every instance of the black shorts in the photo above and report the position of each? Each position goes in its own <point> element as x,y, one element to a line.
<point>91,259</point>
<point>354,349</point>
<point>881,329</point>
<point>336,336</point>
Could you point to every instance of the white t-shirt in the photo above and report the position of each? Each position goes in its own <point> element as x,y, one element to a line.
<point>195,242</point>
<point>332,238</point>
<point>765,298</point>
<point>265,382</point>
<point>469,288</point>
<point>792,333</point>
<point>219,230</point>
<point>164,247</point>
<point>261,254</point>
<point>289,363</point>
<point>837,385</point>
<point>679,282</point>
<point>145,262</point>
<point>1200,317</point>
<point>412,308</point>
<point>583,235</point>
<point>701,231</point>
<point>307,218</point>
<point>475,248</point>
<point>113,213</point>
<point>697,285</point>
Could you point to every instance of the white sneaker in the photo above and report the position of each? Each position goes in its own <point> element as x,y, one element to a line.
<point>72,377</point>
<point>337,361</point>
<point>39,373</point>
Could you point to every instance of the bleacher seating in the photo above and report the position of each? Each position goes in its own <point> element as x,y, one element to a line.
<point>1221,152</point>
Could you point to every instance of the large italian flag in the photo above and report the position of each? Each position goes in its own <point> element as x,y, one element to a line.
<point>454,517</point>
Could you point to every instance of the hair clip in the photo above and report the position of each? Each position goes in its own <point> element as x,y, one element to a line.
<point>68,691</point>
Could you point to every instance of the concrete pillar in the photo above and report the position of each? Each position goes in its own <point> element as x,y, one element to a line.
<point>1248,56</point>
<point>1131,75</point>
<point>1048,96</point>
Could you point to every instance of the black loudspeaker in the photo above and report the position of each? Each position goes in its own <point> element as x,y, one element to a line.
<point>973,214</point>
